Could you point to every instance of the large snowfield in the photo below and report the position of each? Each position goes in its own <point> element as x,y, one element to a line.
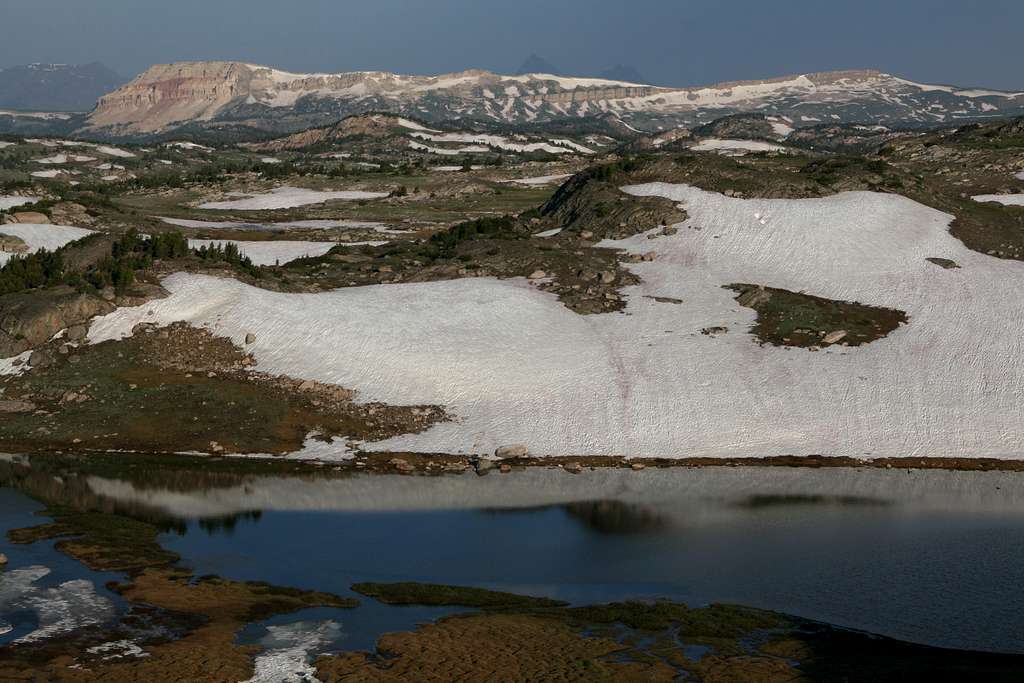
<point>288,198</point>
<point>513,365</point>
<point>41,236</point>
<point>736,146</point>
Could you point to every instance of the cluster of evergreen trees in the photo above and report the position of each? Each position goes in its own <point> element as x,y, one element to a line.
<point>130,253</point>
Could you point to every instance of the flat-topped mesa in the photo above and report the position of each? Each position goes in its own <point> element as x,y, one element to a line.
<point>168,93</point>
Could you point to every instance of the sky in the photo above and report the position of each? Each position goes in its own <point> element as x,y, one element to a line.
<point>670,42</point>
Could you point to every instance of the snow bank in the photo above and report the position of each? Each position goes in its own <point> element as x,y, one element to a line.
<point>736,146</point>
<point>9,201</point>
<point>1019,176</point>
<point>538,180</point>
<point>268,253</point>
<point>41,236</point>
<point>288,198</point>
<point>444,151</point>
<point>500,142</point>
<point>286,225</point>
<point>1005,199</point>
<point>515,366</point>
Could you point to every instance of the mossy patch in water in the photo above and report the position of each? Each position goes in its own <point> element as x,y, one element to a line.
<point>431,594</point>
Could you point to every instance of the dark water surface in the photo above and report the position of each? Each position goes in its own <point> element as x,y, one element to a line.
<point>930,557</point>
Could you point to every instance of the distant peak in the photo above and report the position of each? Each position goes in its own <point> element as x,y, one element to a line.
<point>538,65</point>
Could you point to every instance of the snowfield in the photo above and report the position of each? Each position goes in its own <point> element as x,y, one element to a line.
<point>9,202</point>
<point>1005,199</point>
<point>285,225</point>
<point>41,236</point>
<point>539,180</point>
<point>736,146</point>
<point>515,366</point>
<point>269,253</point>
<point>288,198</point>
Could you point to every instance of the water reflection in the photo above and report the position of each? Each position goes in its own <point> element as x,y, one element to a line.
<point>927,556</point>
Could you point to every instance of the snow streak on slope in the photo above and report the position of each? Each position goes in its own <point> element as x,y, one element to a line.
<point>1004,199</point>
<point>41,236</point>
<point>514,365</point>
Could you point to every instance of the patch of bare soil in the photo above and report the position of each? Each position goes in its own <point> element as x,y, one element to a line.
<point>177,389</point>
<point>786,318</point>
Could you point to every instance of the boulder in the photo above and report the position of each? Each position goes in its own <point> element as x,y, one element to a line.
<point>511,451</point>
<point>833,337</point>
<point>250,338</point>
<point>31,217</point>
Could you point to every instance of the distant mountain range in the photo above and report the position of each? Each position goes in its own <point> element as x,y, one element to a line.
<point>56,87</point>
<point>234,98</point>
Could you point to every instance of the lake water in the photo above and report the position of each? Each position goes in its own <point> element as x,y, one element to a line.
<point>926,556</point>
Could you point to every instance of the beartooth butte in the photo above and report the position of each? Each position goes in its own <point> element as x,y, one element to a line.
<point>217,93</point>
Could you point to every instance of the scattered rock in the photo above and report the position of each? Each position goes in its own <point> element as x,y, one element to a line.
<point>586,235</point>
<point>77,332</point>
<point>572,467</point>
<point>650,256</point>
<point>505,468</point>
<point>538,274</point>
<point>40,358</point>
<point>713,331</point>
<point>250,338</point>
<point>637,466</point>
<point>3,559</point>
<point>607,277</point>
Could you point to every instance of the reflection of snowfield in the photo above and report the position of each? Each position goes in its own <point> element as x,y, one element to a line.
<point>684,489</point>
<point>60,609</point>
<point>515,366</point>
<point>288,198</point>
<point>288,651</point>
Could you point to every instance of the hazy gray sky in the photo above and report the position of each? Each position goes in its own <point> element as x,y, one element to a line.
<point>671,42</point>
